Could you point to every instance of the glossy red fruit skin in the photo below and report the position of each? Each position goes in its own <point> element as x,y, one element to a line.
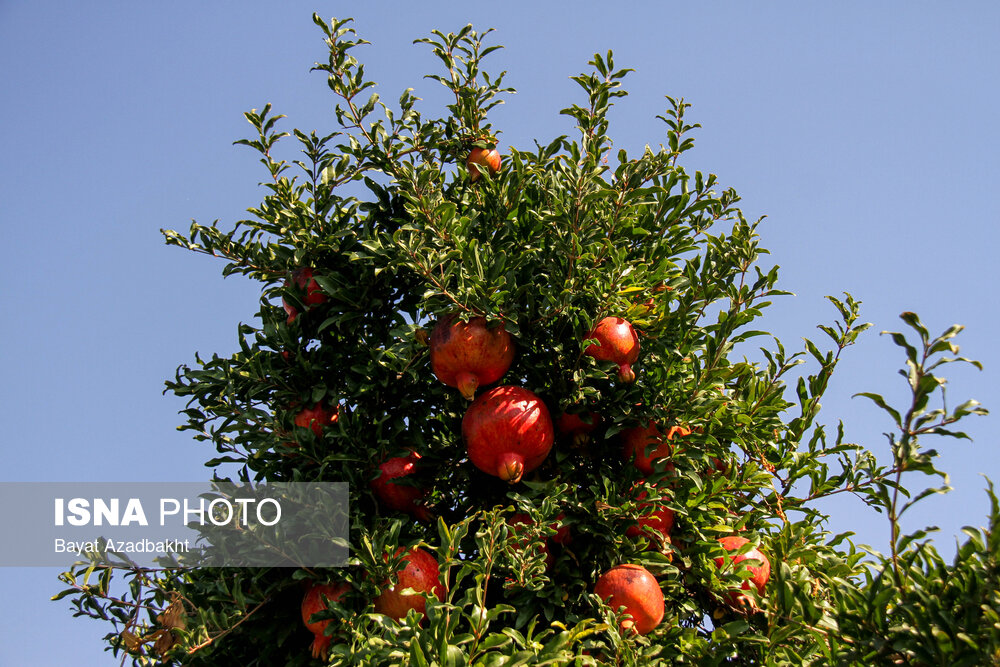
<point>402,498</point>
<point>636,589</point>
<point>617,342</point>
<point>760,573</point>
<point>303,279</point>
<point>482,157</point>
<point>467,355</point>
<point>659,520</point>
<point>421,573</point>
<point>314,601</point>
<point>508,432</point>
<point>638,440</point>
<point>317,418</point>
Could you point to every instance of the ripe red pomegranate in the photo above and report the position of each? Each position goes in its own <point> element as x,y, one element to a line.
<point>760,571</point>
<point>508,432</point>
<point>659,519</point>
<point>577,427</point>
<point>616,342</point>
<point>402,498</point>
<point>482,157</point>
<point>303,279</point>
<point>317,418</point>
<point>315,601</point>
<point>469,354</point>
<point>635,588</point>
<point>422,574</point>
<point>638,441</point>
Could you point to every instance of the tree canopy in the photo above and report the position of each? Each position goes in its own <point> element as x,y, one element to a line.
<point>379,241</point>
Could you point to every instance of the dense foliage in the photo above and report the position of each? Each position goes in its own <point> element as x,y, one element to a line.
<point>396,236</point>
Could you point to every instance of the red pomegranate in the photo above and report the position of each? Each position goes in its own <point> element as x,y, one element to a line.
<point>616,342</point>
<point>315,601</point>
<point>400,497</point>
<point>303,280</point>
<point>577,427</point>
<point>482,157</point>
<point>317,418</point>
<point>643,446</point>
<point>508,432</point>
<point>636,589</point>
<point>469,354</point>
<point>760,571</point>
<point>656,517</point>
<point>422,574</point>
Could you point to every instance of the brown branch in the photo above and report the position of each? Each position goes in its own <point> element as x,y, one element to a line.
<point>225,632</point>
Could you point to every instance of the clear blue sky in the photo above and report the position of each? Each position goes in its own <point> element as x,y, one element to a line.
<point>866,132</point>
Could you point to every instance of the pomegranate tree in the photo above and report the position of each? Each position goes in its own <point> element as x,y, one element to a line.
<point>618,343</point>
<point>636,589</point>
<point>759,568</point>
<point>467,355</point>
<point>508,432</point>
<point>312,293</point>
<point>315,601</point>
<point>570,229</point>
<point>400,497</point>
<point>420,573</point>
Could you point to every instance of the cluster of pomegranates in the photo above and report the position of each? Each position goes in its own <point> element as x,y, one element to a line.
<point>508,431</point>
<point>636,589</point>
<point>420,574</point>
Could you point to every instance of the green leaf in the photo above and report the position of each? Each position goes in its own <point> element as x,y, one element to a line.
<point>878,400</point>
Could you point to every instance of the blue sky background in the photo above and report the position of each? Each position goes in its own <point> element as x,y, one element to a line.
<point>866,133</point>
